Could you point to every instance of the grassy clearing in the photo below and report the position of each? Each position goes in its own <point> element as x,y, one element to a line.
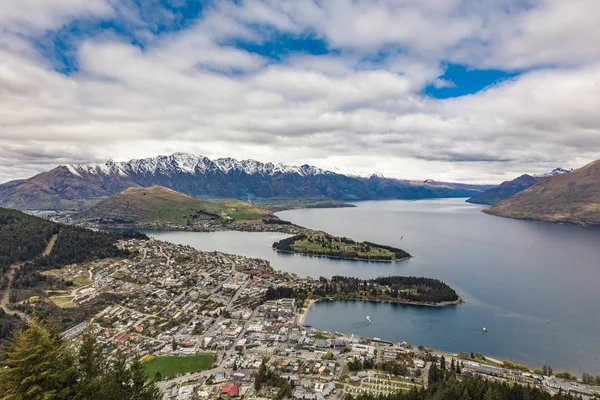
<point>81,280</point>
<point>64,302</point>
<point>168,365</point>
<point>242,211</point>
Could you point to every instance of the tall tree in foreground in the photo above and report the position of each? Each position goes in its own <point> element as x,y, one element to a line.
<point>37,365</point>
<point>92,368</point>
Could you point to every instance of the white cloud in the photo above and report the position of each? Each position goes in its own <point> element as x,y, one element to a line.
<point>193,90</point>
<point>26,15</point>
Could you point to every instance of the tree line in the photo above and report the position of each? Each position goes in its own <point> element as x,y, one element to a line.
<point>407,288</point>
<point>22,237</point>
<point>340,247</point>
<point>417,289</point>
<point>38,364</point>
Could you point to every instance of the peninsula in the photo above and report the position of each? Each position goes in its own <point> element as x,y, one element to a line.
<point>397,289</point>
<point>321,244</point>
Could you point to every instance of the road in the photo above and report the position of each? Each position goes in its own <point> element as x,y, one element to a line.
<point>11,275</point>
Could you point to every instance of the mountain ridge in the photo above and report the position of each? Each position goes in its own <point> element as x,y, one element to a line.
<point>566,198</point>
<point>509,188</point>
<point>79,186</point>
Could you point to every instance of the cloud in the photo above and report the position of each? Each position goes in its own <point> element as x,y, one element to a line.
<point>443,83</point>
<point>358,108</point>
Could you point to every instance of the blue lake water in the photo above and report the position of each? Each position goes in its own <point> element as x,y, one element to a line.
<point>535,286</point>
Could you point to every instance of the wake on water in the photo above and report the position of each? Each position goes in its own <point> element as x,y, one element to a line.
<point>361,323</point>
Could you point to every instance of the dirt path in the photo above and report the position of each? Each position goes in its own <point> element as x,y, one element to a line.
<point>49,246</point>
<point>11,276</point>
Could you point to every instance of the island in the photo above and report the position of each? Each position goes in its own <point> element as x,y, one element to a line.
<point>397,289</point>
<point>325,245</point>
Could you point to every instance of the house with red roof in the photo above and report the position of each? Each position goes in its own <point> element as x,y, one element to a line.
<point>231,390</point>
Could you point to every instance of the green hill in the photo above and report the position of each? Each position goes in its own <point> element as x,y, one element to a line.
<point>158,204</point>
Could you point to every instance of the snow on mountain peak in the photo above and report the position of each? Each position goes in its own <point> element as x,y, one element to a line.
<point>554,172</point>
<point>191,164</point>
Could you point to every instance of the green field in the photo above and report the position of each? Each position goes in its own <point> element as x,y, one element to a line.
<point>168,365</point>
<point>242,211</point>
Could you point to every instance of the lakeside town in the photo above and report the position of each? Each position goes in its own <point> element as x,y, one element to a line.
<point>206,326</point>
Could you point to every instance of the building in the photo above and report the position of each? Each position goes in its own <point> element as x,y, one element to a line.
<point>231,390</point>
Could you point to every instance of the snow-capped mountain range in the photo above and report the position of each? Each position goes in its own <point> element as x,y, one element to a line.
<point>178,163</point>
<point>78,186</point>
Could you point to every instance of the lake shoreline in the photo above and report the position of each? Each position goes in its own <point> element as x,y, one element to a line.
<point>341,258</point>
<point>406,302</point>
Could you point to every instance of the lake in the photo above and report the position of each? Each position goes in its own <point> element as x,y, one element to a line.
<point>534,286</point>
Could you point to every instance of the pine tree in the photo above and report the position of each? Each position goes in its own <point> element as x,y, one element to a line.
<point>37,365</point>
<point>91,365</point>
<point>139,387</point>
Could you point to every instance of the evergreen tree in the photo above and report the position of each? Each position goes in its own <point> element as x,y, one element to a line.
<point>37,365</point>
<point>91,367</point>
<point>139,387</point>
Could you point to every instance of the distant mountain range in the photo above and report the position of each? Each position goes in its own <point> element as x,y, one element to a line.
<point>81,186</point>
<point>510,188</point>
<point>566,198</point>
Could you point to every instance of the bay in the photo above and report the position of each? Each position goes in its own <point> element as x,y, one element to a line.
<point>534,286</point>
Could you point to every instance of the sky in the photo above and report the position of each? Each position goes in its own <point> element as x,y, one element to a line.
<point>460,90</point>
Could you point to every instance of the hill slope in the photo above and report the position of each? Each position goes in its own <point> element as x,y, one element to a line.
<point>80,186</point>
<point>25,256</point>
<point>505,190</point>
<point>568,198</point>
<point>157,204</point>
<point>510,188</point>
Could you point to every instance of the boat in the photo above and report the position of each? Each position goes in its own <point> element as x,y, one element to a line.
<point>484,329</point>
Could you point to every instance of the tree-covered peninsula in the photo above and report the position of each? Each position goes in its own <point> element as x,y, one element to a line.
<point>398,289</point>
<point>325,245</point>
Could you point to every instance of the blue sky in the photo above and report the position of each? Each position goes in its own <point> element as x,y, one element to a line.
<point>154,19</point>
<point>461,90</point>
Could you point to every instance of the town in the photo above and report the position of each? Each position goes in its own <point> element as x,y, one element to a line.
<point>203,323</point>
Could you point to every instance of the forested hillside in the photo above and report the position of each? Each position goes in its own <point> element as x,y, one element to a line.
<point>73,245</point>
<point>403,289</point>
<point>22,237</point>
